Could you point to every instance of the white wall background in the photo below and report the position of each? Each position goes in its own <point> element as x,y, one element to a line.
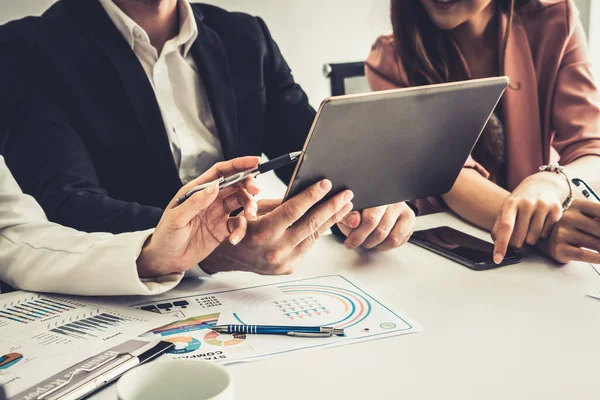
<point>310,33</point>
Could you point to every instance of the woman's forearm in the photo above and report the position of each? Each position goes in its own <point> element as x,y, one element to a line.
<point>476,199</point>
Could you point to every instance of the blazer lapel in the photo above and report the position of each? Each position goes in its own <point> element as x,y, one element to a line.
<point>133,78</point>
<point>211,60</point>
<point>520,106</point>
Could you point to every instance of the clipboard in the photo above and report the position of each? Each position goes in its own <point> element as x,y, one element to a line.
<point>96,372</point>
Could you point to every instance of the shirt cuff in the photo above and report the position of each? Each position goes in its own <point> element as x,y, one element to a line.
<point>197,272</point>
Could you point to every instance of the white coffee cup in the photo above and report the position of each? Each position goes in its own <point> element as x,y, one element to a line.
<point>177,380</point>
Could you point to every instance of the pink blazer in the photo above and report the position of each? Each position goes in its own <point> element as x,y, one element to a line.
<point>555,116</point>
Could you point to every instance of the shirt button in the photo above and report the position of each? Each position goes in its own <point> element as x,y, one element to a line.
<point>137,34</point>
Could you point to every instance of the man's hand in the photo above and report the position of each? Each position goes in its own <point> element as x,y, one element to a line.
<point>381,228</point>
<point>576,237</point>
<point>282,233</point>
<point>189,232</point>
<point>529,213</point>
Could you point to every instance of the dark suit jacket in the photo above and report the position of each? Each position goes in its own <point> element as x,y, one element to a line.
<point>80,126</point>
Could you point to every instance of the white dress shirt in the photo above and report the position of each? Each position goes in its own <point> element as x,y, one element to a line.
<point>179,90</point>
<point>40,256</point>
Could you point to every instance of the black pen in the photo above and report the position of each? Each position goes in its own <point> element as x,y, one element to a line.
<point>233,179</point>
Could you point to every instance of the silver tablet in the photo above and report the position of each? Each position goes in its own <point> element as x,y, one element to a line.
<point>396,145</point>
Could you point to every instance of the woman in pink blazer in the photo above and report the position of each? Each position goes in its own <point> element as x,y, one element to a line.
<point>549,114</point>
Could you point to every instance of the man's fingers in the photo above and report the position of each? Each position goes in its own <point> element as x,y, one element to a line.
<point>352,220</point>
<point>383,230</point>
<point>292,210</point>
<point>585,224</point>
<point>268,205</point>
<point>223,169</point>
<point>344,229</point>
<point>241,198</point>
<point>569,253</point>
<point>399,236</point>
<point>589,208</point>
<point>226,168</point>
<point>401,232</point>
<point>580,239</point>
<point>311,224</point>
<point>249,184</point>
<point>238,227</point>
<point>307,243</point>
<point>370,219</point>
<point>297,252</point>
<point>181,215</point>
<point>252,187</point>
<point>503,230</point>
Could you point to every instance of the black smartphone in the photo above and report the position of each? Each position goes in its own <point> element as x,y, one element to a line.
<point>458,246</point>
<point>586,190</point>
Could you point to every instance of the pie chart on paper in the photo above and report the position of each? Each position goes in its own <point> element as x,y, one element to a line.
<point>10,359</point>
<point>183,344</point>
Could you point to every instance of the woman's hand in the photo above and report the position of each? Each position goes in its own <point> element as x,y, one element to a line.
<point>576,237</point>
<point>189,232</point>
<point>530,212</point>
<point>381,228</point>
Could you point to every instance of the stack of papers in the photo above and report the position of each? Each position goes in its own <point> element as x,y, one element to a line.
<point>41,335</point>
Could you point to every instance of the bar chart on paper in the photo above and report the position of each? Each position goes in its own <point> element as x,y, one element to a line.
<point>42,334</point>
<point>53,322</point>
<point>90,327</point>
<point>35,309</point>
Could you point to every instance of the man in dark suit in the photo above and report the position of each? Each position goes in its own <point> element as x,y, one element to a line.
<point>107,106</point>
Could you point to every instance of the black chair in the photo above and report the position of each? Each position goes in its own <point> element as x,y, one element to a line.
<point>340,73</point>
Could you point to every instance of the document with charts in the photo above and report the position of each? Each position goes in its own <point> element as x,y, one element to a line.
<point>322,301</point>
<point>41,335</point>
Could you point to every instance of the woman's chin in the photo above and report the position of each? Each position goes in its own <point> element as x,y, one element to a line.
<point>446,24</point>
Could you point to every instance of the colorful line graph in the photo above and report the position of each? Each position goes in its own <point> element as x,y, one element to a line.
<point>322,304</point>
<point>187,325</point>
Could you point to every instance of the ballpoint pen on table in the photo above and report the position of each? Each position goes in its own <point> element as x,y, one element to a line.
<point>298,331</point>
<point>262,168</point>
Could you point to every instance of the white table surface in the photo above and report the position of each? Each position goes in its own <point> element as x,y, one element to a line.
<point>525,331</point>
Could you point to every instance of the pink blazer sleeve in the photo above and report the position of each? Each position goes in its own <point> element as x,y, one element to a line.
<point>576,112</point>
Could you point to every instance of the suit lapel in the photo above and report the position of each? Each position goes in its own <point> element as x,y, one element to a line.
<point>211,60</point>
<point>133,79</point>
<point>520,105</point>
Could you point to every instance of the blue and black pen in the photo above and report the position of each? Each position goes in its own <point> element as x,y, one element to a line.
<point>297,331</point>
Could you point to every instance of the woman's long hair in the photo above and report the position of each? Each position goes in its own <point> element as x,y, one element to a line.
<point>430,57</point>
